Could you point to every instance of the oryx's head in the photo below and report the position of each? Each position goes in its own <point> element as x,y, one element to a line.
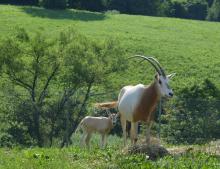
<point>161,79</point>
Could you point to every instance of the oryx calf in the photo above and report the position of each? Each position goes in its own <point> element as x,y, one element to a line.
<point>101,125</point>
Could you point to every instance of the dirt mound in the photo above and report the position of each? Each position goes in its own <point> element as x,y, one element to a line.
<point>152,151</point>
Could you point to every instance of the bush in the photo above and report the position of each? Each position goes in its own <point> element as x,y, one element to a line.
<point>196,117</point>
<point>210,2</point>
<point>20,2</point>
<point>91,5</point>
<point>165,8</point>
<point>197,10</point>
<point>121,6</point>
<point>144,7</point>
<point>214,11</point>
<point>54,4</point>
<point>178,9</point>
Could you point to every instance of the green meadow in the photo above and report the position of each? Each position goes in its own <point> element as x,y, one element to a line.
<point>189,48</point>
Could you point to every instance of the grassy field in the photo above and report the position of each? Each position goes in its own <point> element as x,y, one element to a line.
<point>114,157</point>
<point>189,48</point>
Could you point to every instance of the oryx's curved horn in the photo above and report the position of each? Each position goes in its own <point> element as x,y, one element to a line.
<point>150,61</point>
<point>158,64</point>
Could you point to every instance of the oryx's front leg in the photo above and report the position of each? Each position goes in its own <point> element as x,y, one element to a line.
<point>134,131</point>
<point>103,140</point>
<point>148,127</point>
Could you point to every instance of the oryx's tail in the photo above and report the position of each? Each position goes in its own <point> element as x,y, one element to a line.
<point>107,105</point>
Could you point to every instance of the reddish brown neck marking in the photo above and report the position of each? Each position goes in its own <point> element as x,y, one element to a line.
<point>147,104</point>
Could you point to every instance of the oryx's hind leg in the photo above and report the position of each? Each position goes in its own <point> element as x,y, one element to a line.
<point>123,125</point>
<point>87,139</point>
<point>82,140</point>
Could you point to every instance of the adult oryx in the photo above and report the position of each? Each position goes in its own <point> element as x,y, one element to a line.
<point>137,103</point>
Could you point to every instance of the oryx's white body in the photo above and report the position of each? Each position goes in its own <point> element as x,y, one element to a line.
<point>128,99</point>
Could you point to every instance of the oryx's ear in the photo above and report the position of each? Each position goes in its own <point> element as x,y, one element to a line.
<point>170,76</point>
<point>156,76</point>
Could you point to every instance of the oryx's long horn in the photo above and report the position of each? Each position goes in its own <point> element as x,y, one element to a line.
<point>150,61</point>
<point>158,64</point>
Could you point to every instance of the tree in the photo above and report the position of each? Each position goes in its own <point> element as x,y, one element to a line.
<point>122,6</point>
<point>21,2</point>
<point>144,7</point>
<point>214,11</point>
<point>91,5</point>
<point>50,81</point>
<point>54,4</point>
<point>197,9</point>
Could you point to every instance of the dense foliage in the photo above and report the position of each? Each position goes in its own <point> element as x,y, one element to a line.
<point>54,4</point>
<point>214,11</point>
<point>195,116</point>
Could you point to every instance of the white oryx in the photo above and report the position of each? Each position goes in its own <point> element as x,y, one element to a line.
<point>102,125</point>
<point>137,103</point>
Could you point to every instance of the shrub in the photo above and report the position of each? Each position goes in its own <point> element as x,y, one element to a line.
<point>121,6</point>
<point>165,8</point>
<point>20,2</point>
<point>214,11</point>
<point>54,4</point>
<point>178,9</point>
<point>144,7</point>
<point>197,10</point>
<point>195,118</point>
<point>91,5</point>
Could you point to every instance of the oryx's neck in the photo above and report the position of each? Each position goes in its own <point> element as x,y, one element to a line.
<point>147,103</point>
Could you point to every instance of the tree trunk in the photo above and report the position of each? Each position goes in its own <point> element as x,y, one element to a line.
<point>70,129</point>
<point>36,119</point>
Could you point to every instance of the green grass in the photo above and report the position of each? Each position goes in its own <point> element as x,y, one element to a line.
<point>189,48</point>
<point>111,157</point>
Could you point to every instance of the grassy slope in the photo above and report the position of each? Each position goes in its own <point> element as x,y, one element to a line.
<point>189,48</point>
<point>113,157</point>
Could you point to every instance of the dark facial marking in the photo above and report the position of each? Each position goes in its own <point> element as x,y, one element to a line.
<point>160,82</point>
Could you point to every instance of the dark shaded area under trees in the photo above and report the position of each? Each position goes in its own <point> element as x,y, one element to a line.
<point>190,9</point>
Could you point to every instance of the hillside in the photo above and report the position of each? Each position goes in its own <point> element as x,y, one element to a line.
<point>189,48</point>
